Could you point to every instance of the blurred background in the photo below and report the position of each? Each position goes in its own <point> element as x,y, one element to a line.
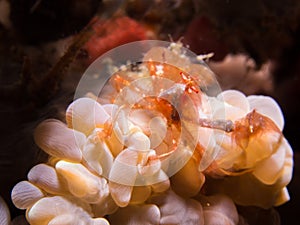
<point>45,46</point>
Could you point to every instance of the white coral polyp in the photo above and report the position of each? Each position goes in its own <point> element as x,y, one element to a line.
<point>267,156</point>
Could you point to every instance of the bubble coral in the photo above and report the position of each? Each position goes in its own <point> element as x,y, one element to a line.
<point>256,153</point>
<point>4,212</point>
<point>127,157</point>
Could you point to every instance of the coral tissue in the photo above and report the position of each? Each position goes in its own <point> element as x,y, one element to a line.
<point>139,154</point>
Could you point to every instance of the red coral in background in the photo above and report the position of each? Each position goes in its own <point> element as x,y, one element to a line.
<point>112,33</point>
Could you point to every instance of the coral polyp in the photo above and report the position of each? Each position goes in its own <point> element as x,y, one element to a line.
<point>159,143</point>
